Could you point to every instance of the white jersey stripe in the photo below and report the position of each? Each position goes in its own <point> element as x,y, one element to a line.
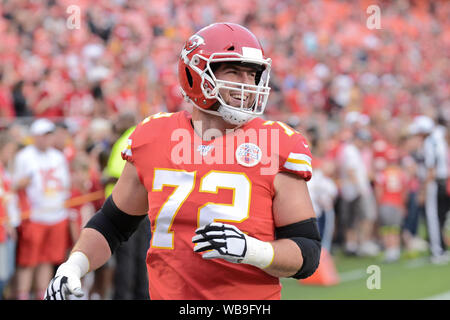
<point>297,167</point>
<point>299,156</point>
<point>127,150</point>
<point>306,163</point>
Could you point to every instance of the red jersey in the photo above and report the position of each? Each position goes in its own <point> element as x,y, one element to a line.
<point>392,183</point>
<point>191,182</point>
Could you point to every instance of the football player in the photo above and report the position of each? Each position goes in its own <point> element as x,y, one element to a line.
<point>224,224</point>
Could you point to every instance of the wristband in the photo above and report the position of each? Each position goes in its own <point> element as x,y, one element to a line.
<point>259,253</point>
<point>77,263</point>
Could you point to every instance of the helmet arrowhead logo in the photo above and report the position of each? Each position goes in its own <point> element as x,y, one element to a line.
<point>191,45</point>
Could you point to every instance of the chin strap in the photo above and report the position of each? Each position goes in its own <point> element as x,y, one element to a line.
<point>231,116</point>
<point>234,116</point>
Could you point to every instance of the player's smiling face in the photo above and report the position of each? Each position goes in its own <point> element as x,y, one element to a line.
<point>240,74</point>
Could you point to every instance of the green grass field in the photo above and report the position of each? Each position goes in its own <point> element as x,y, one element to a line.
<point>406,279</point>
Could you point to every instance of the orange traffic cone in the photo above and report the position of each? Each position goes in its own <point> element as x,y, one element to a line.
<point>326,273</point>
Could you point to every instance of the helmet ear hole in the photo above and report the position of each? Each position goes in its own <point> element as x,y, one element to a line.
<point>189,77</point>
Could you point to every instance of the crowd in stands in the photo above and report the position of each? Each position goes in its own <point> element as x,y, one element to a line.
<point>354,92</point>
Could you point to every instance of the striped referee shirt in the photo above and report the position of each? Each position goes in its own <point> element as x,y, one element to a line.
<point>436,152</point>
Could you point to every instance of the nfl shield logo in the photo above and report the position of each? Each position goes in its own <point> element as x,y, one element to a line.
<point>203,150</point>
<point>248,154</point>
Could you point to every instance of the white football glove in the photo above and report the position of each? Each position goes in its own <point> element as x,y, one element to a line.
<point>227,242</point>
<point>67,278</point>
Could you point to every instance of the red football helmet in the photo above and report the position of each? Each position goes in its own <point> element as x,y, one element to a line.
<point>223,42</point>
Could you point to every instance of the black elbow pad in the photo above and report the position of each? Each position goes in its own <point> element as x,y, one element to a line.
<point>114,224</point>
<point>306,235</point>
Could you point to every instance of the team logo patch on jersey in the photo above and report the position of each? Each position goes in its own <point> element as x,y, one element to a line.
<point>248,154</point>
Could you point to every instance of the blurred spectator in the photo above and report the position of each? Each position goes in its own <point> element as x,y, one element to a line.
<point>79,206</point>
<point>324,191</point>
<point>122,128</point>
<point>21,108</point>
<point>62,141</point>
<point>391,189</point>
<point>42,172</point>
<point>441,175</point>
<point>6,100</point>
<point>435,173</point>
<point>8,214</point>
<point>357,210</point>
<point>414,208</point>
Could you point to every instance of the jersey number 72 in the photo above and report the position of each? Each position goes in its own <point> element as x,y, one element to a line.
<point>183,183</point>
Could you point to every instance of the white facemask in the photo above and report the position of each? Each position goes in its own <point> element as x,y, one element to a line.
<point>237,115</point>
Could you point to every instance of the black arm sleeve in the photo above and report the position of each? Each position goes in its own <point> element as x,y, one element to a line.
<point>114,224</point>
<point>306,235</point>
